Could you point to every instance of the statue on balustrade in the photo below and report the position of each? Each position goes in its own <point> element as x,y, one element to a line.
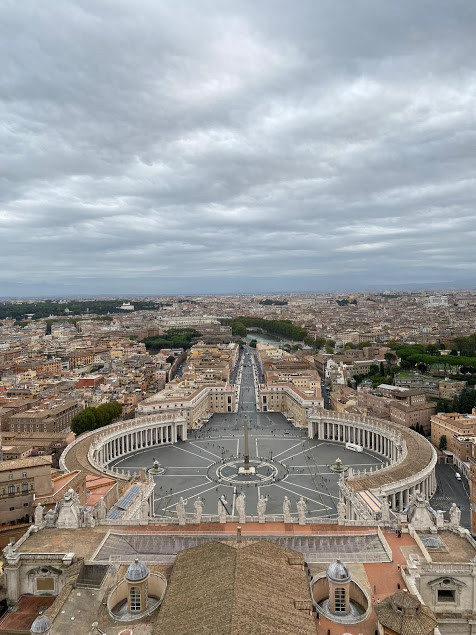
<point>222,510</point>
<point>287,510</point>
<point>301,509</point>
<point>181,511</point>
<point>39,509</point>
<point>198,506</point>
<point>261,508</point>
<point>455,515</point>
<point>241,507</point>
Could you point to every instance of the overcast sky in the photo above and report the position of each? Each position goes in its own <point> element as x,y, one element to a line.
<point>194,146</point>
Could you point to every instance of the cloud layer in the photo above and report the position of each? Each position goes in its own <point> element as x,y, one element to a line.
<point>155,147</point>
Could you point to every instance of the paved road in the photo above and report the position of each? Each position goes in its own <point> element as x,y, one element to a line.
<point>325,394</point>
<point>449,491</point>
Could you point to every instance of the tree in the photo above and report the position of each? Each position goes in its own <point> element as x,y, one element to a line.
<point>390,358</point>
<point>443,443</point>
<point>93,418</point>
<point>170,359</point>
<point>374,369</point>
<point>238,328</point>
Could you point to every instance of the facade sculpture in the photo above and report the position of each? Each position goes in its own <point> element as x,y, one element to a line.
<point>301,509</point>
<point>222,502</point>
<point>287,510</point>
<point>198,507</point>
<point>69,516</point>
<point>144,509</point>
<point>181,511</point>
<point>261,508</point>
<point>241,507</point>
<point>39,509</point>
<point>385,510</point>
<point>101,509</point>
<point>455,515</point>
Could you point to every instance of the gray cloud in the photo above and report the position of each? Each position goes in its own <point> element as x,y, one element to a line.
<point>161,147</point>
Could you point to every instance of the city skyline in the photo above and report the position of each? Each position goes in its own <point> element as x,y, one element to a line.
<point>168,150</point>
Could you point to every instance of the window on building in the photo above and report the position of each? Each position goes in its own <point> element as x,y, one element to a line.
<point>134,597</point>
<point>10,477</point>
<point>11,489</point>
<point>24,475</point>
<point>339,598</point>
<point>12,509</point>
<point>446,595</point>
<point>24,487</point>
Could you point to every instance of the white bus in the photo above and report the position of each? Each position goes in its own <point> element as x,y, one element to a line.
<point>354,447</point>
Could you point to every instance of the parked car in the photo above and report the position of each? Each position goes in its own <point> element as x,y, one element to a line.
<point>458,476</point>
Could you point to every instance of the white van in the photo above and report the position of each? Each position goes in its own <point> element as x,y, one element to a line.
<point>458,476</point>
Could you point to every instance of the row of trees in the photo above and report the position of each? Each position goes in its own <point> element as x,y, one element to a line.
<point>282,328</point>
<point>173,338</point>
<point>269,302</point>
<point>94,418</point>
<point>426,356</point>
<point>76,307</point>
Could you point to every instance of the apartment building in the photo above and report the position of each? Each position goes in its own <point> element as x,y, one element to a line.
<point>53,415</point>
<point>413,414</point>
<point>449,389</point>
<point>292,402</point>
<point>20,482</point>
<point>193,400</point>
<point>455,427</point>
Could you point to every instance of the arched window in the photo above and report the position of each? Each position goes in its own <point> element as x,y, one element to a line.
<point>24,487</point>
<point>11,489</point>
<point>339,598</point>
<point>134,599</point>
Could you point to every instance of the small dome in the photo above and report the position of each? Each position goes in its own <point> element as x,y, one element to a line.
<point>338,572</point>
<point>137,571</point>
<point>42,624</point>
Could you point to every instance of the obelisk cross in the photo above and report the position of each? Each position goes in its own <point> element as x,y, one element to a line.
<point>247,448</point>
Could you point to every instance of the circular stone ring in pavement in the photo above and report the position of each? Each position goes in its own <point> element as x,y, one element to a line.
<point>230,472</point>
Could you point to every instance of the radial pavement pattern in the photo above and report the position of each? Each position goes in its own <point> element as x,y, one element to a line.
<point>286,463</point>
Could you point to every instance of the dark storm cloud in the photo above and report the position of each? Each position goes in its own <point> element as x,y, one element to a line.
<point>230,144</point>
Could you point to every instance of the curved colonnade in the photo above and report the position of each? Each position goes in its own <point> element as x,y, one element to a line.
<point>118,439</point>
<point>411,457</point>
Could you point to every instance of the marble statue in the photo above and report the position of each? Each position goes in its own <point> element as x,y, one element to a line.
<point>340,511</point>
<point>102,509</point>
<point>69,516</point>
<point>50,518</point>
<point>385,509</point>
<point>144,509</point>
<point>301,509</point>
<point>39,509</point>
<point>181,511</point>
<point>440,518</point>
<point>287,510</point>
<point>222,502</point>
<point>241,507</point>
<point>198,506</point>
<point>261,508</point>
<point>89,520</point>
<point>455,515</point>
